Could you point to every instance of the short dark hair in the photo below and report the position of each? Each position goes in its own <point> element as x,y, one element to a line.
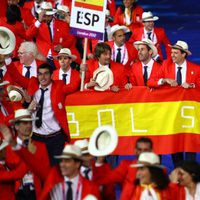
<point>101,48</point>
<point>144,140</point>
<point>193,168</point>
<point>46,66</point>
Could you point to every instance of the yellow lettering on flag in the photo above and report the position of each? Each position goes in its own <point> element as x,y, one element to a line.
<point>136,119</point>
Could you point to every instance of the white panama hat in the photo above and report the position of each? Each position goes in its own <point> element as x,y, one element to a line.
<point>15,93</point>
<point>47,6</point>
<point>103,141</point>
<point>66,52</point>
<point>83,144</point>
<point>148,17</point>
<point>7,41</point>
<point>149,43</point>
<point>103,77</point>
<point>118,27</point>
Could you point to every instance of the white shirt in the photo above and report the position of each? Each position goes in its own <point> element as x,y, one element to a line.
<point>83,168</point>
<point>196,196</point>
<point>4,70</point>
<point>152,36</point>
<point>49,122</point>
<point>124,53</point>
<point>183,71</point>
<point>149,68</point>
<point>33,69</point>
<point>100,65</point>
<point>68,78</point>
<point>57,191</point>
<point>148,194</point>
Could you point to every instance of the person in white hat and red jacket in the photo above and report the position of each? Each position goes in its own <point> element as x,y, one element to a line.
<point>156,34</point>
<point>51,34</point>
<point>178,72</point>
<point>147,67</point>
<point>28,183</point>
<point>70,76</point>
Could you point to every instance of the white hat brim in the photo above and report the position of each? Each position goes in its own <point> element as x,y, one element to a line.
<point>178,47</point>
<point>93,144</point>
<point>124,28</point>
<point>23,120</point>
<point>3,145</point>
<point>155,18</point>
<point>12,41</point>
<point>52,12</point>
<point>73,57</point>
<point>148,165</point>
<point>154,49</point>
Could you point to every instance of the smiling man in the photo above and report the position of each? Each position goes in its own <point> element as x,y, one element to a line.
<point>48,106</point>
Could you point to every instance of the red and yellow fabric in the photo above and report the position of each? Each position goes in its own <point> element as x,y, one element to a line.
<point>169,116</point>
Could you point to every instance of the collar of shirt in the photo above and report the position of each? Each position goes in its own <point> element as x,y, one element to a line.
<point>73,180</point>
<point>19,141</point>
<point>49,87</point>
<point>61,72</point>
<point>100,65</point>
<point>149,68</point>
<point>83,168</point>
<point>33,64</point>
<point>2,162</point>
<point>183,65</point>
<point>33,69</point>
<point>145,32</point>
<point>149,64</point>
<point>4,69</point>
<point>116,47</point>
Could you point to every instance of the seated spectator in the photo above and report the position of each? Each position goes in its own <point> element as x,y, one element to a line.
<point>152,181</point>
<point>70,76</point>
<point>147,67</point>
<point>149,31</point>
<point>129,14</point>
<point>102,62</point>
<point>187,175</point>
<point>29,58</point>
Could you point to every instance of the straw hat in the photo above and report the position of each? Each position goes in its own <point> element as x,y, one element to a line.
<point>149,43</point>
<point>148,17</point>
<point>182,46</point>
<point>103,141</point>
<point>7,41</point>
<point>83,144</point>
<point>47,6</point>
<point>63,8</point>
<point>15,93</point>
<point>148,159</point>
<point>118,27</point>
<point>70,151</point>
<point>22,115</point>
<point>103,77</point>
<point>66,52</point>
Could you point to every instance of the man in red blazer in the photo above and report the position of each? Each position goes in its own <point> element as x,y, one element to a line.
<point>57,179</point>
<point>69,76</point>
<point>156,34</point>
<point>103,59</point>
<point>49,106</point>
<point>28,184</point>
<point>122,51</point>
<point>178,72</point>
<point>123,173</point>
<point>51,34</point>
<point>28,57</point>
<point>88,170</point>
<point>147,67</point>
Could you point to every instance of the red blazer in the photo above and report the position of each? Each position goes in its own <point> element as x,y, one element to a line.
<point>136,13</point>
<point>133,192</point>
<point>117,69</point>
<point>136,74</point>
<point>40,156</point>
<point>19,66</point>
<point>108,190</point>
<point>75,80</point>
<point>162,38</point>
<point>13,76</point>
<point>168,71</point>
<point>111,5</point>
<point>3,8</point>
<point>62,37</point>
<point>122,174</point>
<point>58,93</point>
<point>132,52</point>
<point>55,177</point>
